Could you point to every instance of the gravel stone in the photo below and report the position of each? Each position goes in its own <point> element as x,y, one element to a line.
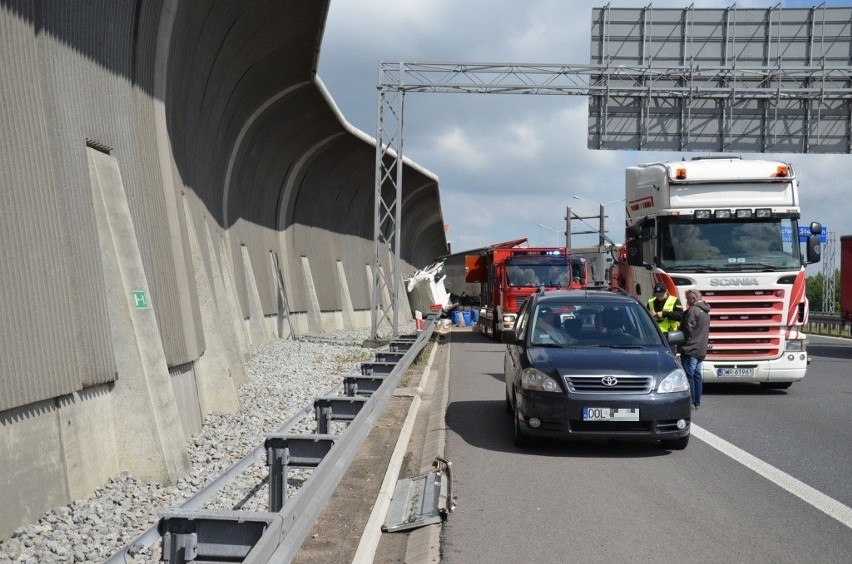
<point>284,376</point>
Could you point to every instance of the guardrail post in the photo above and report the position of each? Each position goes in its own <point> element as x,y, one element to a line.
<point>298,451</point>
<point>362,385</point>
<point>400,345</point>
<point>389,356</point>
<point>216,535</point>
<point>371,368</point>
<point>330,409</point>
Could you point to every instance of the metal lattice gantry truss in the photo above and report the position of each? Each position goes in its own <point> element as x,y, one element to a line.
<point>730,80</point>
<point>829,266</point>
<point>387,214</point>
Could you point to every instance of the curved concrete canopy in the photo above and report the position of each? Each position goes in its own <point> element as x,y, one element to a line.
<point>259,141</point>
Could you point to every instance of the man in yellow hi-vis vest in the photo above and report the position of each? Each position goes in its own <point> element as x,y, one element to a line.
<point>665,308</point>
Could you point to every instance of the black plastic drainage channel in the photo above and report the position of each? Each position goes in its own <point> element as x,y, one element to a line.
<point>189,534</point>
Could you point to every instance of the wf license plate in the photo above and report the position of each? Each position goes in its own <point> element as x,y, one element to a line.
<point>735,372</point>
<point>610,414</point>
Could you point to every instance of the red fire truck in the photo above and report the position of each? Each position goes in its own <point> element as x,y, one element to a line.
<point>509,272</point>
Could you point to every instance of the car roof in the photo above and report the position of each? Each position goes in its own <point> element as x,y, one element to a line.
<point>583,295</point>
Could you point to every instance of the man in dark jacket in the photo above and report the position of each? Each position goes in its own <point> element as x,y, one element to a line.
<point>695,325</point>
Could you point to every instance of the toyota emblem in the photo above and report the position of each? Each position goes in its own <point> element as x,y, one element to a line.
<point>609,381</point>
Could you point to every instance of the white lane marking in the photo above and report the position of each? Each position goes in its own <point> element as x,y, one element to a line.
<point>816,498</point>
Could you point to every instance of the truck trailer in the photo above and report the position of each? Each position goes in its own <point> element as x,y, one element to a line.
<point>729,228</point>
<point>846,278</point>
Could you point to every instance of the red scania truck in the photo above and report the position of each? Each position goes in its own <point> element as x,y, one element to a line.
<point>728,227</point>
<point>508,273</point>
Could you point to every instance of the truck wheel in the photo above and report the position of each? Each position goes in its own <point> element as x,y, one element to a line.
<point>494,331</point>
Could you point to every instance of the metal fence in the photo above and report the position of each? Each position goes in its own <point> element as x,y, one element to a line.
<point>827,324</point>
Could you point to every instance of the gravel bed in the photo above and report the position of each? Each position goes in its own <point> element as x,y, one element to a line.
<point>284,376</point>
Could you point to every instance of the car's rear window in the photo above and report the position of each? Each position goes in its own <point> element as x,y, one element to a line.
<point>592,323</point>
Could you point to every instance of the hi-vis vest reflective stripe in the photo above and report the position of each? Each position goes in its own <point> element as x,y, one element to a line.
<point>665,323</point>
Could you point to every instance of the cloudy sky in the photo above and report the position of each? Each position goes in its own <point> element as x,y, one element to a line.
<point>510,164</point>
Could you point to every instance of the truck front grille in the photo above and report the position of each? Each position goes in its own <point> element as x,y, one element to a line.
<point>746,324</point>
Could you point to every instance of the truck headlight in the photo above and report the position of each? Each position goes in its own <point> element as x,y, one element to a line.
<point>532,379</point>
<point>675,382</point>
<point>508,318</point>
<point>798,345</point>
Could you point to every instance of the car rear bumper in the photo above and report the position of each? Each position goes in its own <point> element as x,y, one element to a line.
<point>561,416</point>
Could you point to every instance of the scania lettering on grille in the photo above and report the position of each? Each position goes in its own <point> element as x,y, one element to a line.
<point>734,282</point>
<point>609,381</point>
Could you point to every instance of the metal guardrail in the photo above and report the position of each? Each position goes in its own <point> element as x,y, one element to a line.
<point>189,533</point>
<point>827,324</point>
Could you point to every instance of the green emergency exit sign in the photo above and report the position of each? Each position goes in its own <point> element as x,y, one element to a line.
<point>140,299</point>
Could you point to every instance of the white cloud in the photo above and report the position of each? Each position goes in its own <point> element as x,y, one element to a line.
<point>458,148</point>
<point>367,17</point>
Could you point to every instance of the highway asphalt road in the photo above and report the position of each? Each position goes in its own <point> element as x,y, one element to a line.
<point>767,476</point>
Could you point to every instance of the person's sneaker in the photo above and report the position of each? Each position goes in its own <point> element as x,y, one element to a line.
<point>695,407</point>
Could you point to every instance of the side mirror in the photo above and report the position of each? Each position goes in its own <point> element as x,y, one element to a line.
<point>634,252</point>
<point>675,338</point>
<point>509,337</point>
<point>813,251</point>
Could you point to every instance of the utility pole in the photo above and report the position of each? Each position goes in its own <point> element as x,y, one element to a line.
<point>568,229</point>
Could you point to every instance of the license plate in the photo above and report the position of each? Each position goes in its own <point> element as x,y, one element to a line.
<point>610,414</point>
<point>736,372</point>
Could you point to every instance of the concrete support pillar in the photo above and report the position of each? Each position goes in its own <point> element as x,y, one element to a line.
<point>228,305</point>
<point>347,311</point>
<point>217,391</point>
<point>314,313</point>
<point>149,436</point>
<point>255,323</point>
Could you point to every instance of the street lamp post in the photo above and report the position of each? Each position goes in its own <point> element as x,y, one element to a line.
<point>551,229</point>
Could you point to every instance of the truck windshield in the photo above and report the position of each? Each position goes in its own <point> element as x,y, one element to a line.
<point>532,275</point>
<point>729,245</point>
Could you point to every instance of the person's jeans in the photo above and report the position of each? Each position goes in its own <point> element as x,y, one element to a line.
<point>692,367</point>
